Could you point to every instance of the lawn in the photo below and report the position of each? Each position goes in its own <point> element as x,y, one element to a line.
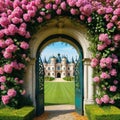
<point>59,93</point>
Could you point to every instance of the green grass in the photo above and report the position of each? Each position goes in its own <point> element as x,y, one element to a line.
<point>59,93</point>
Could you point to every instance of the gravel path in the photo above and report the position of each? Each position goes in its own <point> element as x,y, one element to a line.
<point>60,112</point>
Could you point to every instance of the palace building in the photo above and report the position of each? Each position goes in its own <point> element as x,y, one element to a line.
<point>59,67</point>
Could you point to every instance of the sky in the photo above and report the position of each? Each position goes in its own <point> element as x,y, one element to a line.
<point>59,47</point>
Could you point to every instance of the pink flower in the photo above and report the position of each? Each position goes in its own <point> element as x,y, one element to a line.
<point>111,101</point>
<point>2,43</point>
<point>104,75</point>
<point>11,93</point>
<point>1,33</point>
<point>57,2</point>
<point>21,65</point>
<point>21,81</point>
<point>4,22</point>
<point>115,61</point>
<point>117,12</point>
<point>8,68</point>
<point>102,65</point>
<point>7,55</point>
<point>9,41</point>
<point>63,5</point>
<point>27,35</point>
<point>101,10</point>
<point>1,71</point>
<point>22,31</point>
<point>94,62</point>
<point>5,99</point>
<point>31,13</point>
<point>40,19</point>
<point>103,37</point>
<point>114,18</point>
<point>101,47</point>
<point>2,87</point>
<point>98,101</point>
<point>96,79</point>
<point>73,11</point>
<point>12,29</point>
<point>113,72</point>
<point>109,10</point>
<point>11,48</point>
<point>115,82</point>
<point>108,60</point>
<point>58,11</point>
<point>48,16</point>
<point>89,19</point>
<point>42,13</point>
<point>26,17</point>
<point>87,10</point>
<point>14,65</point>
<point>48,6</point>
<point>110,25</point>
<point>2,79</point>
<point>113,88</point>
<point>16,20</point>
<point>117,38</point>
<point>24,45</point>
<point>105,99</point>
<point>54,7</point>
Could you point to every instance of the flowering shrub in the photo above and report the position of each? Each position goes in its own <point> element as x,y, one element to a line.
<point>20,18</point>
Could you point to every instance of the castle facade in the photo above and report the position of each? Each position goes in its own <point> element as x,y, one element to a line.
<point>59,67</point>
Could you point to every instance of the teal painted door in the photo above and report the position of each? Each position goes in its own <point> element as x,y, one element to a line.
<point>79,85</point>
<point>39,86</point>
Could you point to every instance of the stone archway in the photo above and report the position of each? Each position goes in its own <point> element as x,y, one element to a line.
<point>60,26</point>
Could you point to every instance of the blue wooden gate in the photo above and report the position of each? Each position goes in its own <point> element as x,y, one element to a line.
<point>39,86</point>
<point>79,85</point>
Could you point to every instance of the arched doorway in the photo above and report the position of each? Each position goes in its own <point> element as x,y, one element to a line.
<point>58,75</point>
<point>78,32</point>
<point>78,74</point>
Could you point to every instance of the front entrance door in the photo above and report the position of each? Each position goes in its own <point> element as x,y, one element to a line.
<point>58,75</point>
<point>39,86</point>
<point>79,85</point>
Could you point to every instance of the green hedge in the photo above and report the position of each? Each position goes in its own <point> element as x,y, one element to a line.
<point>24,113</point>
<point>49,78</point>
<point>95,112</point>
<point>68,78</point>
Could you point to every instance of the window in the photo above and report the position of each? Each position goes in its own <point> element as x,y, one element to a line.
<point>48,68</point>
<point>52,73</point>
<point>48,74</point>
<point>58,68</point>
<point>52,68</point>
<point>68,74</point>
<point>68,68</point>
<point>63,68</point>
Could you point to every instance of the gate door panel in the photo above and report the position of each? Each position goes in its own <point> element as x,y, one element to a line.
<point>39,86</point>
<point>79,85</point>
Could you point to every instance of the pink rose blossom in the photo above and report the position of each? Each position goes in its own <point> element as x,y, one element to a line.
<point>117,12</point>
<point>113,72</point>
<point>22,31</point>
<point>82,17</point>
<point>105,99</point>
<point>58,11</point>
<point>16,20</point>
<point>101,47</point>
<point>96,79</point>
<point>63,5</point>
<point>1,33</point>
<point>12,29</point>
<point>2,79</point>
<point>24,45</point>
<point>27,35</point>
<point>4,22</point>
<point>115,61</point>
<point>21,81</point>
<point>104,75</point>
<point>87,10</point>
<point>48,6</point>
<point>89,19</point>
<point>110,25</point>
<point>109,10</point>
<point>108,60</point>
<point>2,43</point>
<point>26,17</point>
<point>113,88</point>
<point>94,62</point>
<point>101,11</point>
<point>115,82</point>
<point>73,11</point>
<point>57,2</point>
<point>117,38</point>
<point>8,68</point>
<point>98,101</point>
<point>31,13</point>
<point>102,65</point>
<point>11,48</point>
<point>11,93</point>
<point>114,18</point>
<point>40,19</point>
<point>2,87</point>
<point>103,37</point>
<point>7,55</point>
<point>111,101</point>
<point>48,16</point>
<point>42,13</point>
<point>5,99</point>
<point>8,41</point>
<point>1,71</point>
<point>15,65</point>
<point>54,7</point>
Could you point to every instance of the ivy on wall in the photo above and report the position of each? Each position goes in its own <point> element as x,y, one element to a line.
<point>20,19</point>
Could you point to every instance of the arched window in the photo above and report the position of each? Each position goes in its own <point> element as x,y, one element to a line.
<point>58,68</point>
<point>48,74</point>
<point>48,68</point>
